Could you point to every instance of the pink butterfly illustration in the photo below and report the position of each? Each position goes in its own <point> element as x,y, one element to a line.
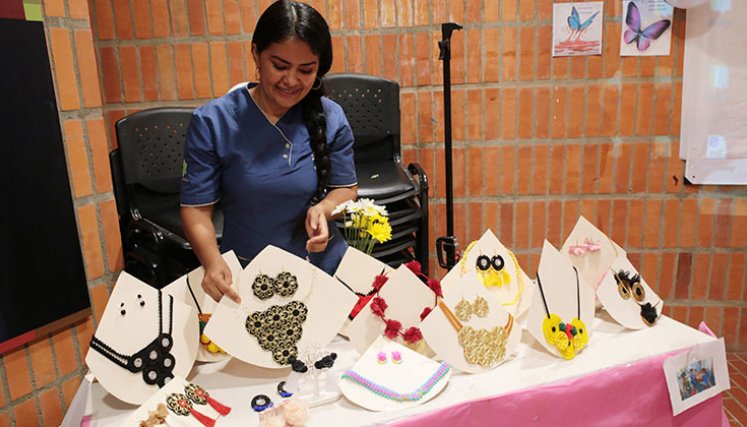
<point>643,37</point>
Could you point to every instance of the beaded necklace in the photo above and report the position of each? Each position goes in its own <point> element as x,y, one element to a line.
<point>155,360</point>
<point>386,392</point>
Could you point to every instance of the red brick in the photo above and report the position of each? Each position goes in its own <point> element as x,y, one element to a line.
<point>705,222</point>
<point>474,115</point>
<point>524,157</point>
<point>143,26</point>
<point>475,171</point>
<point>572,168</point>
<point>148,73</point>
<point>196,16</point>
<point>540,158</point>
<point>539,224</point>
<point>26,413</point>
<point>610,110</point>
<point>64,69</point>
<point>628,108</point>
<point>522,224</point>
<point>18,373</point>
<point>474,224</point>
<point>42,362</point>
<point>90,241</point>
<point>557,162</point>
<point>51,408</point>
<point>77,158</point>
<point>104,19</point>
<point>507,224</point>
<point>218,68</point>
<point>652,224</point>
<point>507,169</point>
<point>526,52</point>
<point>570,216</point>
<point>645,109</point>
<point>559,112</point>
<point>701,272</point>
<point>554,221</point>
<point>97,140</point>
<point>111,79</point>
<point>544,52</point>
<point>201,70</point>
<point>123,20</point>
<point>69,388</point>
<point>491,40</point>
<point>508,60</point>
<point>635,224</point>
<point>526,121</point>
<point>684,273</point>
<point>508,11</point>
<point>542,113</point>
<point>509,100</point>
<point>160,15</point>
<point>736,282</point>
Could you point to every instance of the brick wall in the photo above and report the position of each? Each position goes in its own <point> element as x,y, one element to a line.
<point>40,379</point>
<point>538,140</point>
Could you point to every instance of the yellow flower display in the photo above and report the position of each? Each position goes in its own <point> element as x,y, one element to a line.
<point>366,224</point>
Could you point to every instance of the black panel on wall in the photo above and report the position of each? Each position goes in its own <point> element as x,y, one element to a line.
<point>42,278</point>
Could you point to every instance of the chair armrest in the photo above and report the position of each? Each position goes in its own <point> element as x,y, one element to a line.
<point>415,169</point>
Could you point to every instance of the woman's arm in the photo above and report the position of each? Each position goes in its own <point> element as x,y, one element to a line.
<point>200,231</point>
<point>318,215</point>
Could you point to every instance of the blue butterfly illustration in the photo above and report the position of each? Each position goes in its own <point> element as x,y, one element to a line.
<point>574,23</point>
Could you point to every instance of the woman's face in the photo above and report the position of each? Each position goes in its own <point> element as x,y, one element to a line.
<point>287,72</point>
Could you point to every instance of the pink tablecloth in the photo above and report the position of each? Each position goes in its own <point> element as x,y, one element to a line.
<point>630,395</point>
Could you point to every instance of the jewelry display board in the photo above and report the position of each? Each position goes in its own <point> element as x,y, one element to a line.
<point>487,334</point>
<point>188,289</point>
<point>391,377</point>
<point>563,298</point>
<point>286,304</point>
<point>628,298</point>
<point>496,267</point>
<point>405,298</point>
<point>590,251</point>
<point>140,344</point>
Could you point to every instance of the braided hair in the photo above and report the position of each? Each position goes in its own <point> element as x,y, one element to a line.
<point>286,19</point>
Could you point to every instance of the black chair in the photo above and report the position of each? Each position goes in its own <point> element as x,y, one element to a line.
<point>371,105</point>
<point>147,171</point>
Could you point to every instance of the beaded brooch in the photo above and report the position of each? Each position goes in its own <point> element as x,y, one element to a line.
<point>385,392</point>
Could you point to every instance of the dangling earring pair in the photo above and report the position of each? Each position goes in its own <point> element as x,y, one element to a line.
<point>382,359</point>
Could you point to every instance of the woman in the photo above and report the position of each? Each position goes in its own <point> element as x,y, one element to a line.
<point>276,154</point>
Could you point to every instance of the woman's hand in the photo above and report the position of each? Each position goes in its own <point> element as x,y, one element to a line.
<point>316,229</point>
<point>217,281</point>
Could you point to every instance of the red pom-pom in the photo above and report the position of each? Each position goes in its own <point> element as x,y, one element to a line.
<point>413,335</point>
<point>379,281</point>
<point>425,313</point>
<point>379,306</point>
<point>392,329</point>
<point>435,286</point>
<point>414,266</point>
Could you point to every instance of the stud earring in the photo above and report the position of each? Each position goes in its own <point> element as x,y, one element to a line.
<point>142,301</point>
<point>396,357</point>
<point>381,358</point>
<point>122,311</point>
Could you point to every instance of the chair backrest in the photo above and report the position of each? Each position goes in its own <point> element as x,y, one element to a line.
<point>151,146</point>
<point>371,105</point>
<point>120,192</point>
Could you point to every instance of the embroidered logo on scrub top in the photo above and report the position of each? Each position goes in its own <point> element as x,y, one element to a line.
<point>184,171</point>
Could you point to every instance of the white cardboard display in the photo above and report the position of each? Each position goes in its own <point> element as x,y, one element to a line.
<point>180,290</point>
<point>127,334</point>
<point>404,377</point>
<point>358,270</point>
<point>559,286</point>
<point>442,337</point>
<point>406,297</point>
<point>626,312</point>
<point>513,298</point>
<point>176,385</point>
<point>327,300</point>
<point>592,265</point>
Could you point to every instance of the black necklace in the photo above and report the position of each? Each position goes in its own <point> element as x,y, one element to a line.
<point>155,360</point>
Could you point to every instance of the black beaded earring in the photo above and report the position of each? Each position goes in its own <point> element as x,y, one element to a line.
<point>122,311</point>
<point>142,301</point>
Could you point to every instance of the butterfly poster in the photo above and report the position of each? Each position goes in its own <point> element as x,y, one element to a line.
<point>577,29</point>
<point>646,28</point>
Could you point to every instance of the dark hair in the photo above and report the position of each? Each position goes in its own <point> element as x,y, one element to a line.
<point>286,19</point>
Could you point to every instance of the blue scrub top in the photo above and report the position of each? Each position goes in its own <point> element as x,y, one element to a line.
<point>263,174</point>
